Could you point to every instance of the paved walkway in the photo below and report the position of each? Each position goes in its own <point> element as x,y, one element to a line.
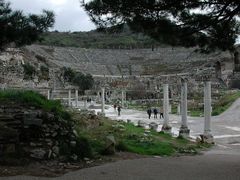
<point>220,163</point>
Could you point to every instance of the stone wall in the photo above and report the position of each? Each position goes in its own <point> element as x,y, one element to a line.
<point>33,132</point>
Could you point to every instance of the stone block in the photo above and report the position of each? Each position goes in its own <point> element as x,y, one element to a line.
<point>167,129</point>
<point>184,132</point>
<point>153,126</point>
<point>141,124</point>
<point>38,153</point>
<point>35,121</point>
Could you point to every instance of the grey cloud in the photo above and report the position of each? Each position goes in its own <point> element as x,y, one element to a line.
<point>69,16</point>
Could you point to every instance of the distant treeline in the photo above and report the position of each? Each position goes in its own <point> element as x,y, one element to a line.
<point>99,40</point>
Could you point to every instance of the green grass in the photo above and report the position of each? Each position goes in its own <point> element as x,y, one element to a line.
<point>142,107</point>
<point>94,39</point>
<point>34,99</point>
<point>219,107</point>
<point>225,102</point>
<point>196,112</point>
<point>134,139</point>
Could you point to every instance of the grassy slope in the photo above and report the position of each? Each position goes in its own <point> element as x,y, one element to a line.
<point>136,140</point>
<point>94,39</point>
<point>219,107</point>
<point>34,99</point>
<point>225,102</point>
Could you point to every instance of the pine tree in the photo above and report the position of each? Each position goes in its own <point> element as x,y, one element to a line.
<point>209,24</point>
<point>20,29</point>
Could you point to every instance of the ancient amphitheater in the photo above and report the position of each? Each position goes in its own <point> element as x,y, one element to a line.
<point>113,63</point>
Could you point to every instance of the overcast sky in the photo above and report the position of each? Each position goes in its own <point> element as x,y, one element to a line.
<point>69,15</point>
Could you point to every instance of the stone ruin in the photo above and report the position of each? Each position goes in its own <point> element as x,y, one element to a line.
<point>31,132</point>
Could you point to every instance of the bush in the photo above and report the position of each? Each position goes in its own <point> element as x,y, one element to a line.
<point>29,71</point>
<point>68,74</point>
<point>84,82</point>
<point>44,73</point>
<point>83,148</point>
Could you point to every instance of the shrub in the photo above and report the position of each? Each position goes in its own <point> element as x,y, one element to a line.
<point>68,74</point>
<point>29,71</point>
<point>44,73</point>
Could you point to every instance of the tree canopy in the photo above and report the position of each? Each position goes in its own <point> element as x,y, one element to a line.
<point>209,24</point>
<point>83,81</point>
<point>21,29</point>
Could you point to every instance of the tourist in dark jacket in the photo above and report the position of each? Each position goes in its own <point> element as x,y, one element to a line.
<point>119,110</point>
<point>155,112</point>
<point>149,112</point>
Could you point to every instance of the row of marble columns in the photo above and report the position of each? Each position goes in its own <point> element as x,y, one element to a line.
<point>184,130</point>
<point>69,98</point>
<point>123,99</point>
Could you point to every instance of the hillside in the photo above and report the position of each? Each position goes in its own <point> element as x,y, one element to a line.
<point>96,39</point>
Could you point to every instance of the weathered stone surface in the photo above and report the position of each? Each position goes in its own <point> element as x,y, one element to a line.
<point>33,131</point>
<point>110,145</point>
<point>153,126</point>
<point>141,124</point>
<point>38,153</point>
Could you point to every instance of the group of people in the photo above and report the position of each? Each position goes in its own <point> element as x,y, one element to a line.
<point>155,113</point>
<point>119,108</point>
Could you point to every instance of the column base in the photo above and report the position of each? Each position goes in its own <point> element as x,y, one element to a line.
<point>206,138</point>
<point>184,132</point>
<point>166,129</point>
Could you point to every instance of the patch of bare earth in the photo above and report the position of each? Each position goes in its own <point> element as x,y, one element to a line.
<point>55,168</point>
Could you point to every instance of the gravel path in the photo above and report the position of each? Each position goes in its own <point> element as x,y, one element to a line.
<point>220,163</point>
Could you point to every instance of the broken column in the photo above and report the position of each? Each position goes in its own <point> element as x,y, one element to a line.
<point>76,98</point>
<point>207,136</point>
<point>103,100</point>
<point>123,98</point>
<point>69,97</point>
<point>184,131</point>
<point>166,127</point>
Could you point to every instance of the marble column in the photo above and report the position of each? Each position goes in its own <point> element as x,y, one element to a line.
<point>69,97</point>
<point>179,109</point>
<point>48,94</point>
<point>170,109</point>
<point>123,99</point>
<point>207,112</point>
<point>76,98</point>
<point>166,127</point>
<point>103,100</point>
<point>184,131</point>
<point>85,104</point>
<point>98,97</point>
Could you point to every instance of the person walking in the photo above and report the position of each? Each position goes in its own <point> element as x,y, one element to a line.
<point>119,110</point>
<point>114,106</point>
<point>155,112</point>
<point>149,112</point>
<point>161,114</point>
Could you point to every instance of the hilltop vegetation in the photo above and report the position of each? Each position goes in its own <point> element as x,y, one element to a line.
<point>98,39</point>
